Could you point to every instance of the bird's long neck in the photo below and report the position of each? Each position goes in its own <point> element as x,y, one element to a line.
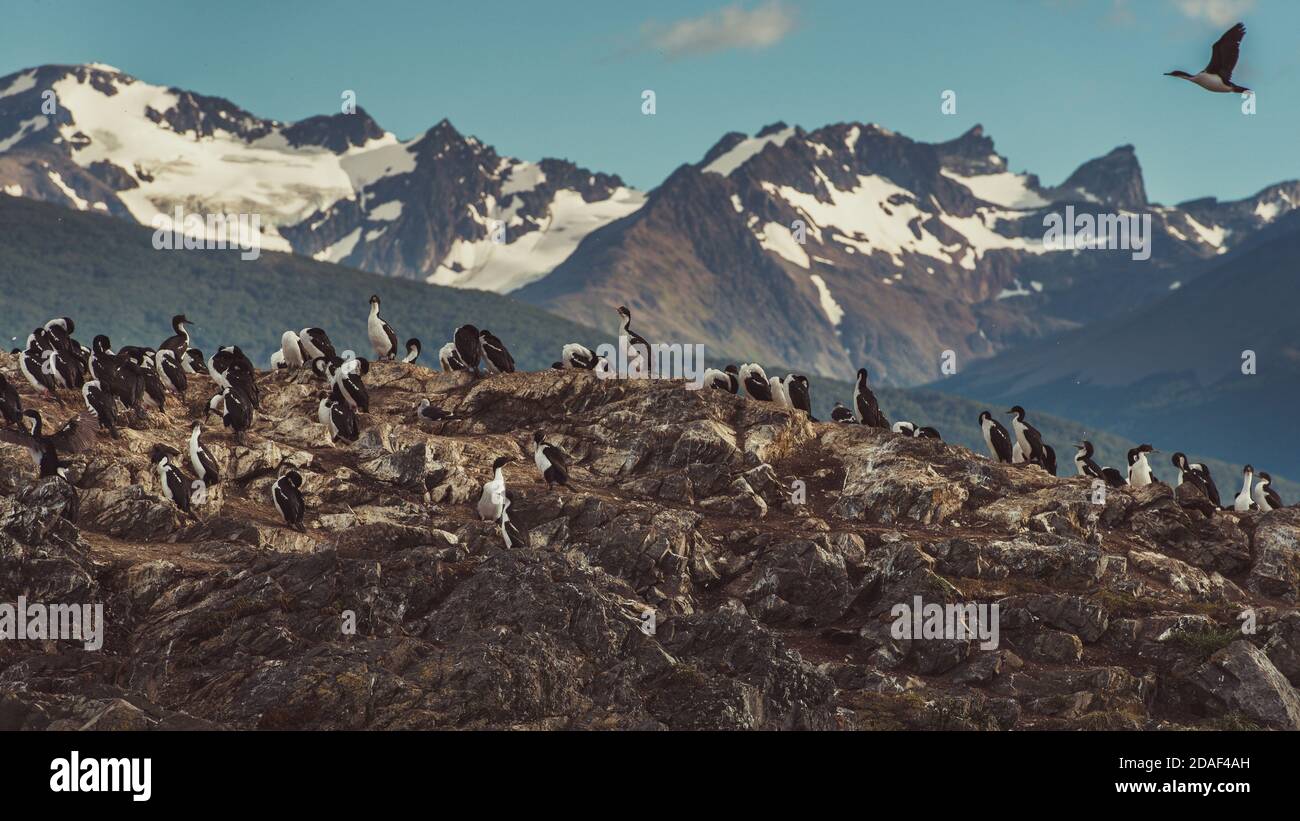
<point>1245,482</point>
<point>374,310</point>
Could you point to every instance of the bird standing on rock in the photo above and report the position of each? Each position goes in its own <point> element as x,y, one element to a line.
<point>382,339</point>
<point>286,495</point>
<point>551,461</point>
<point>492,501</point>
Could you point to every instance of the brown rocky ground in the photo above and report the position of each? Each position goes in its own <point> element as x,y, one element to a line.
<point>771,614</point>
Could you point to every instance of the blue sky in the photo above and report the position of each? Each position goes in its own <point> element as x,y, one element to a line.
<point>1054,82</point>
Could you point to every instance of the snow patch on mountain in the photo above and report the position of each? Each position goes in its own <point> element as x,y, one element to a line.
<point>1005,189</point>
<point>832,308</point>
<point>524,258</point>
<point>746,149</point>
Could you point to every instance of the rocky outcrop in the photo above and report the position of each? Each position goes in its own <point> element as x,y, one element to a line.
<point>714,563</point>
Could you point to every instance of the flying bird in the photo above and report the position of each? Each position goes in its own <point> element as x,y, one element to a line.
<point>1217,76</point>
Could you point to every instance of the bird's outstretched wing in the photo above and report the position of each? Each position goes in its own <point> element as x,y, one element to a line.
<point>77,434</point>
<point>1223,59</point>
<point>16,437</point>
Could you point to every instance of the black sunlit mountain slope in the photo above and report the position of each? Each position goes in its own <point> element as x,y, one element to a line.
<point>106,275</point>
<point>1171,372</point>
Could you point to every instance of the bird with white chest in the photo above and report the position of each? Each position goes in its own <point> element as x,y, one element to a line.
<point>551,461</point>
<point>383,341</point>
<point>492,500</point>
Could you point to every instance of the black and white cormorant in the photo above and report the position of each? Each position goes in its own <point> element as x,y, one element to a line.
<point>638,349</point>
<point>193,362</point>
<point>492,500</point>
<point>315,342</point>
<point>996,438</point>
<point>1140,473</point>
<point>1265,497</point>
<point>917,431</point>
<point>383,341</point>
<point>179,342</point>
<point>291,350</point>
<point>412,350</point>
<point>864,402</point>
<point>1199,472</point>
<point>727,379</point>
<point>839,413</point>
<point>1031,441</point>
<point>171,369</point>
<point>494,351</point>
<point>578,357</point>
<point>1087,466</point>
<point>754,380</point>
<point>799,391</point>
<point>780,391</point>
<point>205,467</point>
<point>469,348</point>
<point>1243,501</point>
<point>32,365</point>
<point>235,409</point>
<point>551,461</point>
<point>449,360</point>
<point>102,405</point>
<point>1217,75</point>
<point>76,435</point>
<point>426,410</point>
<point>338,417</point>
<point>175,487</point>
<point>286,495</point>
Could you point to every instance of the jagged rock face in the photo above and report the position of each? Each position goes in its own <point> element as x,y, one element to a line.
<point>772,552</point>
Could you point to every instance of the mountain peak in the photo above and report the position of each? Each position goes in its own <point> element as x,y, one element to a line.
<point>1115,179</point>
<point>337,132</point>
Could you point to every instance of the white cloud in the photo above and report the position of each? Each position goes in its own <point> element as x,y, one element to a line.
<point>1217,12</point>
<point>730,28</point>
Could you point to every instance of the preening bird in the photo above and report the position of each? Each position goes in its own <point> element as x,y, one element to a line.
<point>286,495</point>
<point>727,379</point>
<point>412,350</point>
<point>800,393</point>
<point>101,404</point>
<point>315,342</point>
<point>469,348</point>
<point>755,382</point>
<point>917,432</point>
<point>449,360</point>
<point>511,534</point>
<point>494,351</point>
<point>842,414</point>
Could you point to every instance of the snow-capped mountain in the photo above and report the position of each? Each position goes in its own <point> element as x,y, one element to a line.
<point>853,245</point>
<point>824,250</point>
<point>442,206</point>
